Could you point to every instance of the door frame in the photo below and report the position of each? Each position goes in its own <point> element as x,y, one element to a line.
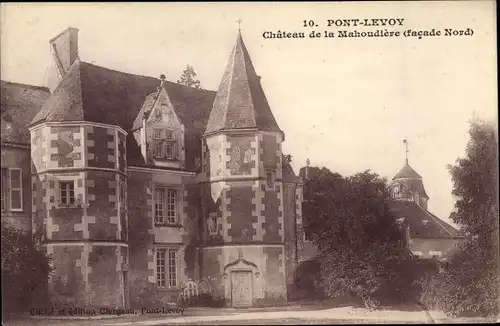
<point>248,272</point>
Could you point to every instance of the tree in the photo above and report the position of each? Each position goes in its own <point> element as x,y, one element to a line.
<point>470,282</point>
<point>25,271</point>
<point>188,78</point>
<point>361,247</point>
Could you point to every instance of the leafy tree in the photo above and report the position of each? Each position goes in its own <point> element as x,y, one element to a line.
<point>361,247</point>
<point>471,279</point>
<point>188,78</point>
<point>25,271</point>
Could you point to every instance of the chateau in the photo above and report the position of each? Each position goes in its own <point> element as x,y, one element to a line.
<point>123,177</point>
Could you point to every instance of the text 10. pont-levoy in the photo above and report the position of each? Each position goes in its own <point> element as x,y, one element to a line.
<point>355,22</point>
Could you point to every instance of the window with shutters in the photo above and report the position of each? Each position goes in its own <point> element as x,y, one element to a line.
<point>5,188</point>
<point>16,189</point>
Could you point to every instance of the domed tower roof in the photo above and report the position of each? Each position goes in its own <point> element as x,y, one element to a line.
<point>407,172</point>
<point>409,179</point>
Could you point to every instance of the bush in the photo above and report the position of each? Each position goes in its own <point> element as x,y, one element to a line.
<point>145,294</point>
<point>467,286</point>
<point>203,300</point>
<point>25,271</point>
<point>380,276</point>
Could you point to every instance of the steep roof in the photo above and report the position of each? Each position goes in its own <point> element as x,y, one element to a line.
<point>19,104</point>
<point>96,94</point>
<point>416,217</point>
<point>407,172</point>
<point>240,102</point>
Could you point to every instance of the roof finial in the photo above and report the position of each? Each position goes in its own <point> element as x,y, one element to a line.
<point>307,168</point>
<point>162,81</point>
<point>405,141</point>
<point>239,21</point>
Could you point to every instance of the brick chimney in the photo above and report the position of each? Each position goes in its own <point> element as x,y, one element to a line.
<point>64,49</point>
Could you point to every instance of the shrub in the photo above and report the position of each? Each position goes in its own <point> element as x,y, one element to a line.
<point>203,300</point>
<point>145,294</point>
<point>25,271</point>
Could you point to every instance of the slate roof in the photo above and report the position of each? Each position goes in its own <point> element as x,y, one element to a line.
<point>415,216</point>
<point>240,102</point>
<point>97,94</point>
<point>19,104</point>
<point>407,172</point>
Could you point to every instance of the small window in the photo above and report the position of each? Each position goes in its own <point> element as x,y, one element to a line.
<point>169,150</point>
<point>157,134</point>
<point>67,189</point>
<point>212,223</point>
<point>16,195</point>
<point>169,135</point>
<point>270,179</point>
<point>159,149</point>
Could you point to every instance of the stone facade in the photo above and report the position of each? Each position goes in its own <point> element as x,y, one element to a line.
<point>128,178</point>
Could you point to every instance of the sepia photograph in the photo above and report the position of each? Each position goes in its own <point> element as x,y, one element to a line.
<point>267,163</point>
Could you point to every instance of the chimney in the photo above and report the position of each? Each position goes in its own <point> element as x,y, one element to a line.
<point>64,49</point>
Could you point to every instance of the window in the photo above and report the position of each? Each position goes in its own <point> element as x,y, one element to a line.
<point>5,187</point>
<point>159,149</point>
<point>157,134</point>
<point>67,189</point>
<point>212,223</point>
<point>165,145</point>
<point>16,196</point>
<point>169,150</point>
<point>307,238</point>
<point>166,267</point>
<point>165,206</point>
<point>270,179</point>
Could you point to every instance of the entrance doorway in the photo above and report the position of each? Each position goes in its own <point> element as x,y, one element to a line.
<point>241,288</point>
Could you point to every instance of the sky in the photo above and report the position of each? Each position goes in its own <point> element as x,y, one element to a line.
<point>343,103</point>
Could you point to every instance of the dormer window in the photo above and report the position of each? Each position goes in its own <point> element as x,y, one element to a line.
<point>165,146</point>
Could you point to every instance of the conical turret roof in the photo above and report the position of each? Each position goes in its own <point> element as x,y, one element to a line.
<point>240,102</point>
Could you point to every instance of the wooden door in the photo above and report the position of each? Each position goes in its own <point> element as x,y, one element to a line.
<point>241,288</point>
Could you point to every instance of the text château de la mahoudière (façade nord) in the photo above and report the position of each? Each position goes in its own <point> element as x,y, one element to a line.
<point>354,28</point>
